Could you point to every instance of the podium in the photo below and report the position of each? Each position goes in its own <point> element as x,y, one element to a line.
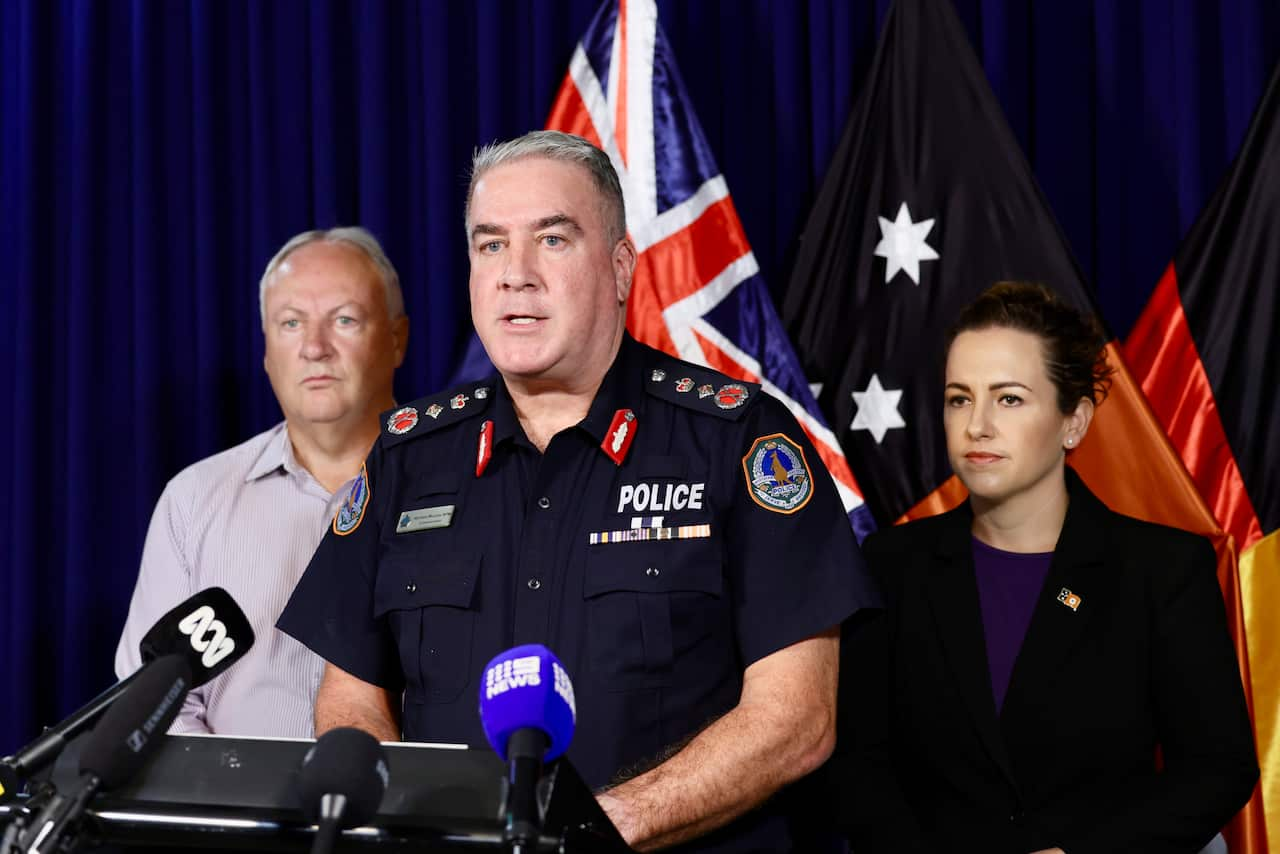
<point>238,794</point>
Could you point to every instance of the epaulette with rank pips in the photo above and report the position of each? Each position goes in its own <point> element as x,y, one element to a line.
<point>700,389</point>
<point>434,411</point>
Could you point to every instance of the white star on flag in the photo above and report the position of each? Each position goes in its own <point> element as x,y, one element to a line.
<point>877,409</point>
<point>902,245</point>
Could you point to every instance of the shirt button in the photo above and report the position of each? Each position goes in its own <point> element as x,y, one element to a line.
<point>534,584</point>
<point>544,502</point>
<point>652,572</point>
<point>411,588</point>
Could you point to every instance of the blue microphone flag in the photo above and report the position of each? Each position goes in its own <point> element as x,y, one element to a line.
<point>527,687</point>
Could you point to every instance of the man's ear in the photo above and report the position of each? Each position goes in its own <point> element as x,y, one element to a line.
<point>400,333</point>
<point>624,268</point>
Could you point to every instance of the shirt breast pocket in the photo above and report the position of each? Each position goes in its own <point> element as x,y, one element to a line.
<point>651,607</point>
<point>429,600</point>
<point>428,507</point>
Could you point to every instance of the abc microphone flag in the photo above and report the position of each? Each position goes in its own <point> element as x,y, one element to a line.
<point>208,629</point>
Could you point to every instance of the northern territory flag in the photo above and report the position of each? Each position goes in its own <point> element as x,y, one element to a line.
<point>928,201</point>
<point>1206,353</point>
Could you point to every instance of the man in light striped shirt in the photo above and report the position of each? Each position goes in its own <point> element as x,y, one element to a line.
<point>249,518</point>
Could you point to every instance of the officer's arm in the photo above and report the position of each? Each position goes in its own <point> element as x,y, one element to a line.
<point>345,700</point>
<point>782,728</point>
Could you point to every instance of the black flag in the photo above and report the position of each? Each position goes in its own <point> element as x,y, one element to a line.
<point>928,201</point>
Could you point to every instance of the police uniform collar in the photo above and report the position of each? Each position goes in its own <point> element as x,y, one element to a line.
<point>620,389</point>
<point>506,424</point>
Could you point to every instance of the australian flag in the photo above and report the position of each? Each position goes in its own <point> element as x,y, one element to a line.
<point>697,293</point>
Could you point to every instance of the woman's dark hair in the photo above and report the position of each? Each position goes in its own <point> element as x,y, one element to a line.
<point>1074,344</point>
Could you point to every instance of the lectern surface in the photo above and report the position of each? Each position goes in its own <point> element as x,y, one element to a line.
<point>223,793</point>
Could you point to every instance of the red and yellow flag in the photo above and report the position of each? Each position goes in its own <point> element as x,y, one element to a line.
<point>1205,351</point>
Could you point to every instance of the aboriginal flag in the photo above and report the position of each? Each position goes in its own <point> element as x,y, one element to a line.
<point>928,201</point>
<point>1206,353</point>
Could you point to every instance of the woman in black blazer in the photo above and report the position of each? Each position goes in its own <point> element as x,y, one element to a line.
<point>1038,650</point>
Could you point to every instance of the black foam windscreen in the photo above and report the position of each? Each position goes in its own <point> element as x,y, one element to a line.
<point>132,728</point>
<point>209,630</point>
<point>349,762</point>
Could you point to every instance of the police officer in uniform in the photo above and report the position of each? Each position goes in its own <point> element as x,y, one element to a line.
<point>668,531</point>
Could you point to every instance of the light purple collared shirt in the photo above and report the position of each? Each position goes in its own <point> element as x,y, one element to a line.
<point>248,520</point>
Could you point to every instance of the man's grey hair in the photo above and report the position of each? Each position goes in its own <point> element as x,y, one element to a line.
<point>566,148</point>
<point>353,236</point>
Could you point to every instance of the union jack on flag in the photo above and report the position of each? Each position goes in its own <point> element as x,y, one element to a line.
<point>697,292</point>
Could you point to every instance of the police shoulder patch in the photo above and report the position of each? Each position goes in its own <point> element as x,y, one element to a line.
<point>351,512</point>
<point>778,477</point>
<point>427,414</point>
<point>700,389</point>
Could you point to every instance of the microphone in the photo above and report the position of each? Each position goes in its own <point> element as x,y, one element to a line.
<point>209,630</point>
<point>341,782</point>
<point>528,713</point>
<point>130,731</point>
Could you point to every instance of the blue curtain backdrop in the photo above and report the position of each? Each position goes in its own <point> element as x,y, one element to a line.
<point>154,154</point>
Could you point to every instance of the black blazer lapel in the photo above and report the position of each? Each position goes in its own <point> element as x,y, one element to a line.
<point>1073,590</point>
<point>953,598</point>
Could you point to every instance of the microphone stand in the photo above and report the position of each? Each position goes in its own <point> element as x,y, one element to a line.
<point>18,768</point>
<point>523,827</point>
<point>22,816</point>
<point>331,809</point>
<point>62,814</point>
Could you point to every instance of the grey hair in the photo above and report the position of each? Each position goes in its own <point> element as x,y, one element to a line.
<point>566,148</point>
<point>353,236</point>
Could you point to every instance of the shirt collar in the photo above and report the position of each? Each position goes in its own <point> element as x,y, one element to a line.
<point>621,388</point>
<point>506,424</point>
<point>275,454</point>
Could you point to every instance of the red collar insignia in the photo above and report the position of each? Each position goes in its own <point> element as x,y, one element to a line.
<point>621,433</point>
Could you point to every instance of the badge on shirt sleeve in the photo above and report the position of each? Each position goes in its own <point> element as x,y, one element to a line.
<point>777,475</point>
<point>351,512</point>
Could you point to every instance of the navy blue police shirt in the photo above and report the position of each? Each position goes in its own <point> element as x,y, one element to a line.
<point>685,529</point>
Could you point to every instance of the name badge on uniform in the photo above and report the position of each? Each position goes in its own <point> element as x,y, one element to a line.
<point>425,519</point>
